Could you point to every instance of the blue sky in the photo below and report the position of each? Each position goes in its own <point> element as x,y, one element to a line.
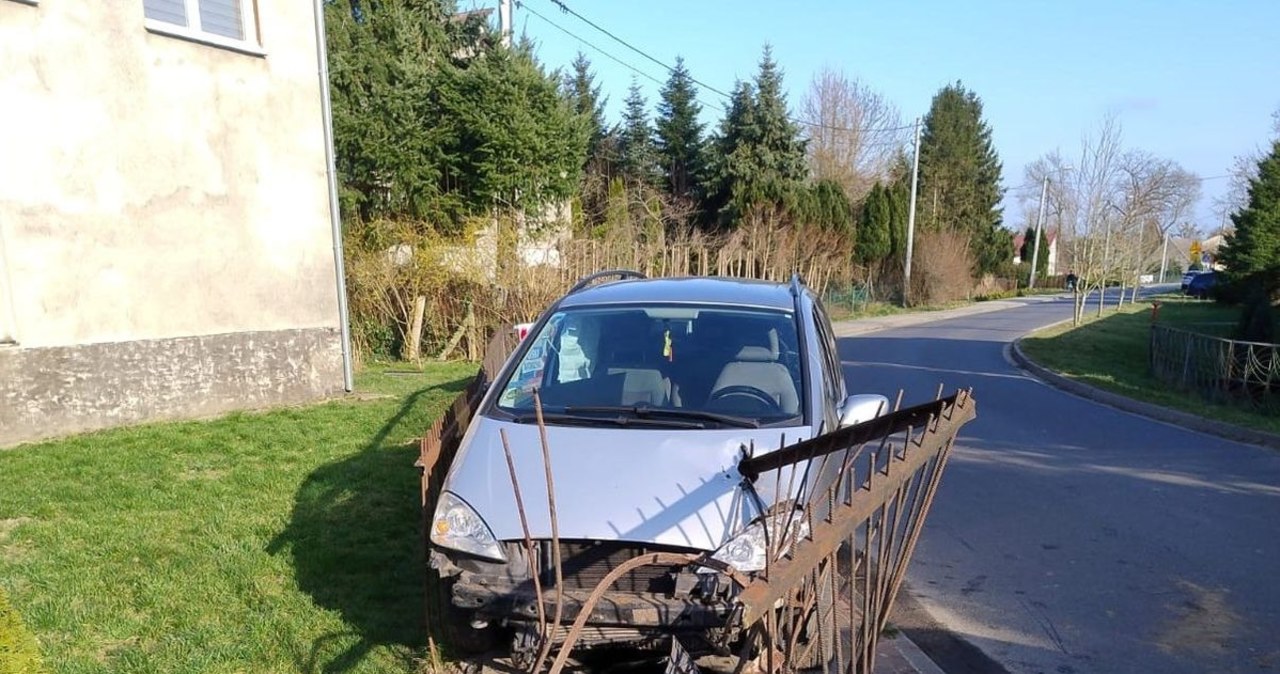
<point>1195,82</point>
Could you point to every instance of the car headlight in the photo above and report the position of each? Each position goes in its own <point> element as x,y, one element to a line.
<point>457,526</point>
<point>748,550</point>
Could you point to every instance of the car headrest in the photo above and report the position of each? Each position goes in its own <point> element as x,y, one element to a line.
<point>755,354</point>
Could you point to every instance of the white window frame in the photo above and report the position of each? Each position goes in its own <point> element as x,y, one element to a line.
<point>251,44</point>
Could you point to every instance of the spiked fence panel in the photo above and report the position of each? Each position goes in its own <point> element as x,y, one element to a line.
<point>1215,368</point>
<point>824,599</point>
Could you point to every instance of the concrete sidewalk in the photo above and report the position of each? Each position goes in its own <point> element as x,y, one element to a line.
<point>899,655</point>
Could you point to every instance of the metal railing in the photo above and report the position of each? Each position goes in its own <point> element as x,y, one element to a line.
<point>1216,368</point>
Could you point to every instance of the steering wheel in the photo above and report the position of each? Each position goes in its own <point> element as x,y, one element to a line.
<point>745,391</point>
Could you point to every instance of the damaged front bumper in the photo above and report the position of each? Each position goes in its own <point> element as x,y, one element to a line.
<point>651,600</point>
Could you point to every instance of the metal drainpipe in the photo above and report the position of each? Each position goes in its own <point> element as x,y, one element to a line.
<point>335,218</point>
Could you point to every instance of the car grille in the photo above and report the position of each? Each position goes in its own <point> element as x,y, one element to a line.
<point>584,565</point>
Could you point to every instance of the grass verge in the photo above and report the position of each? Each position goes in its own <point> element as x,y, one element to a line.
<point>284,541</point>
<point>844,312</point>
<point>1111,353</point>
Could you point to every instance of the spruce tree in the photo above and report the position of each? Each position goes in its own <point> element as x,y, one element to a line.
<point>584,97</point>
<point>1251,254</point>
<point>637,154</point>
<point>514,141</point>
<point>780,149</point>
<point>723,167</point>
<point>960,176</point>
<point>388,162</point>
<point>679,133</point>
<point>759,155</point>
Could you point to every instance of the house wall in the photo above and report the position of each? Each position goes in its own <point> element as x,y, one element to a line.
<point>164,219</point>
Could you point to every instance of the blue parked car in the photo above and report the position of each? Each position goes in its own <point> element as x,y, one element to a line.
<point>1202,284</point>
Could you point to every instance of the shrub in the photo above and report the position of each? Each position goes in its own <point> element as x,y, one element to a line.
<point>943,260</point>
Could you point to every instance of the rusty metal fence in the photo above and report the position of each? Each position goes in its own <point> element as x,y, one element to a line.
<point>1216,368</point>
<point>837,560</point>
<point>436,452</point>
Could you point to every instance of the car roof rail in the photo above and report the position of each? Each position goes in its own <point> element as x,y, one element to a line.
<point>797,284</point>
<point>587,280</point>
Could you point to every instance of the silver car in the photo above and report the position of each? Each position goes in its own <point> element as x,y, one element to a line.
<point>652,391</point>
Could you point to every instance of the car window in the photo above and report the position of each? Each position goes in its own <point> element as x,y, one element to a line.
<point>832,376</point>
<point>717,359</point>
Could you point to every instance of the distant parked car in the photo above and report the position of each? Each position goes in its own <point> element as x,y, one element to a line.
<point>1201,284</point>
<point>1186,278</point>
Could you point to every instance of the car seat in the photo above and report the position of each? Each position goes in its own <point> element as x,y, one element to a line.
<point>628,363</point>
<point>756,366</point>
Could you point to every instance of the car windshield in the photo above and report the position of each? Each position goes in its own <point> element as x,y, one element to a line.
<point>691,365</point>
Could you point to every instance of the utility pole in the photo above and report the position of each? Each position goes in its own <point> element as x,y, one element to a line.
<point>911,219</point>
<point>1035,248</point>
<point>1164,257</point>
<point>504,22</point>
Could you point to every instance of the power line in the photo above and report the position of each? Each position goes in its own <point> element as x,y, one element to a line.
<point>586,42</point>
<point>638,71</point>
<point>565,8</point>
<point>1036,185</point>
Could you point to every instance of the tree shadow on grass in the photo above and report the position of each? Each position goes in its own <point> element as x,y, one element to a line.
<point>355,541</point>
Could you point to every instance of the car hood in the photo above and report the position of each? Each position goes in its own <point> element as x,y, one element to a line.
<point>660,486</point>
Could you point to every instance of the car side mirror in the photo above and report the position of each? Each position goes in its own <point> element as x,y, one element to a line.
<point>862,407</point>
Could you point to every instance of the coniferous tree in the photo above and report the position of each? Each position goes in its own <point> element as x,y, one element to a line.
<point>780,148</point>
<point>1251,253</point>
<point>583,94</point>
<point>759,158</point>
<point>637,154</point>
<point>960,176</point>
<point>724,167</point>
<point>388,163</point>
<point>1028,251</point>
<point>679,133</point>
<point>514,141</point>
<point>824,204</point>
<point>873,239</point>
<point>434,122</point>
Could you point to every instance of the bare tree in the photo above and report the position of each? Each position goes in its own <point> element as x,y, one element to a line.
<point>852,131</point>
<point>1113,209</point>
<point>1243,169</point>
<point>1152,195</point>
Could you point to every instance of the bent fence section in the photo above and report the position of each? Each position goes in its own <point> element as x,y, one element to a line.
<point>1216,368</point>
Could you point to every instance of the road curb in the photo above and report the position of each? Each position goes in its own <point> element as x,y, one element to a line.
<point>1178,418</point>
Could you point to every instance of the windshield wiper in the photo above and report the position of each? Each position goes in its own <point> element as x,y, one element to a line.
<point>568,417</point>
<point>645,411</point>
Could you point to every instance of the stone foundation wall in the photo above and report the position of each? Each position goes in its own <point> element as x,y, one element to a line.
<point>52,391</point>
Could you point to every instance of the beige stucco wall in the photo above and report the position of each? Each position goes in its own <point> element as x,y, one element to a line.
<point>152,187</point>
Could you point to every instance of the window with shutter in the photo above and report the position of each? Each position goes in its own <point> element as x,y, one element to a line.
<point>222,17</point>
<point>168,11</point>
<point>219,22</point>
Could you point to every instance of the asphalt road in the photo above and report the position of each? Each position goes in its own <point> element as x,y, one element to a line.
<point>1068,536</point>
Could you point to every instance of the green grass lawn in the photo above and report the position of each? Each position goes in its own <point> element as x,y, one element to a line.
<point>282,541</point>
<point>1111,353</point>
